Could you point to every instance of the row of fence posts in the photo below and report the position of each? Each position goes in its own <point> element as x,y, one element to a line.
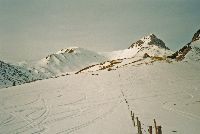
<point>158,129</point>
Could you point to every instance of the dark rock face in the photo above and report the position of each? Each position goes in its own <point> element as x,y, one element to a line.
<point>196,36</point>
<point>180,54</point>
<point>156,41</point>
<point>146,55</point>
<point>137,43</point>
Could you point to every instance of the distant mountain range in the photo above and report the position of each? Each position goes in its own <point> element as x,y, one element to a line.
<point>76,60</point>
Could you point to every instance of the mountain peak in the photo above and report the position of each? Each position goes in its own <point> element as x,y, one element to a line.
<point>152,35</point>
<point>63,51</point>
<point>149,40</point>
<point>67,50</point>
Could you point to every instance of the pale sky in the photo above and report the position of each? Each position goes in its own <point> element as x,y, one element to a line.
<point>32,29</point>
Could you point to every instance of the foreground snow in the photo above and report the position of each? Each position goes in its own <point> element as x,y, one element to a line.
<point>88,104</point>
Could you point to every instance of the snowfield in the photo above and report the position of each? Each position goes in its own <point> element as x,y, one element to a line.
<point>95,93</point>
<point>89,103</point>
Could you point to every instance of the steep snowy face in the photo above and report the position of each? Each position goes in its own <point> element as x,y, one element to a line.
<point>67,60</point>
<point>189,52</point>
<point>11,75</point>
<point>194,48</point>
<point>194,53</point>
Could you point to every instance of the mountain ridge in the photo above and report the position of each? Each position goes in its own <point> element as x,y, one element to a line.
<point>145,51</point>
<point>181,54</point>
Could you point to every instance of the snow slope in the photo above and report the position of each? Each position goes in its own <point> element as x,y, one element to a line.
<point>88,104</point>
<point>66,60</point>
<point>125,62</point>
<point>194,54</point>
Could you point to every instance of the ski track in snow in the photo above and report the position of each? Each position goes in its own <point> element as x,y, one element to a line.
<point>34,114</point>
<point>136,98</point>
<point>77,103</point>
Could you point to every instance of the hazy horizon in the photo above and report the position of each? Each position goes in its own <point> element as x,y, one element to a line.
<point>32,29</point>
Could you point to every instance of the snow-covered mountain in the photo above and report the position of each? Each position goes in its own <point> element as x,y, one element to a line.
<point>150,44</point>
<point>66,60</point>
<point>189,52</point>
<point>145,51</point>
<point>149,40</point>
<point>75,59</point>
<point>11,75</point>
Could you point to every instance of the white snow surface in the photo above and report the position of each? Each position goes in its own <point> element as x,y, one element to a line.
<point>94,104</point>
<point>120,54</point>
<point>194,54</point>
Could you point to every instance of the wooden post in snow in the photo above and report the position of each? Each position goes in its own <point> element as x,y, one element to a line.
<point>150,130</point>
<point>137,121</point>
<point>133,119</point>
<point>140,128</point>
<point>156,132</point>
<point>138,125</point>
<point>159,130</point>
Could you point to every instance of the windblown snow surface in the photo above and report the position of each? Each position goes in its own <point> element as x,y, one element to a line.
<point>95,104</point>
